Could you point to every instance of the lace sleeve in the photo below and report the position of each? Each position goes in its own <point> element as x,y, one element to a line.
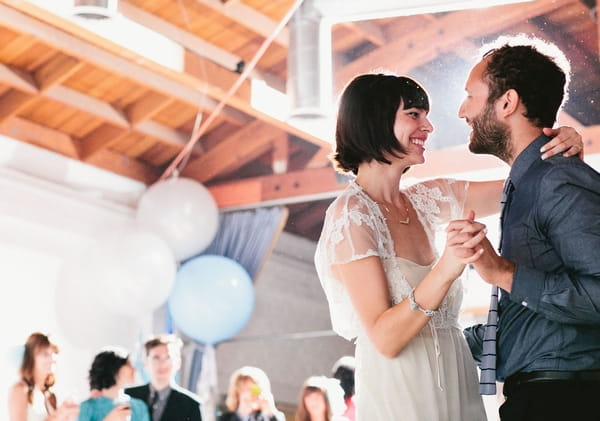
<point>440,200</point>
<point>349,231</point>
<point>349,234</point>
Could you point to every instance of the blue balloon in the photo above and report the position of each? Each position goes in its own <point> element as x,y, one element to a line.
<point>212,298</point>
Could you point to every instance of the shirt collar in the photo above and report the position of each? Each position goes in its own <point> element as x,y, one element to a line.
<point>526,158</point>
<point>162,394</point>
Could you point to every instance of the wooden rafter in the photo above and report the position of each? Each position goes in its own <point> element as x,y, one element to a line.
<point>420,46</point>
<point>292,187</point>
<point>105,54</point>
<point>248,17</point>
<point>237,150</point>
<point>369,31</point>
<point>55,140</point>
<point>193,43</point>
<point>48,75</point>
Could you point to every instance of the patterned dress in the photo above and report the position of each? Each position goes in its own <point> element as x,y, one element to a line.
<point>434,378</point>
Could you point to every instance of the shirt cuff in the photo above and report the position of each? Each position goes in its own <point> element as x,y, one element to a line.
<point>527,287</point>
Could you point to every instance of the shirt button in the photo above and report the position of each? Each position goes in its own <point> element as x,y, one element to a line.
<point>524,303</point>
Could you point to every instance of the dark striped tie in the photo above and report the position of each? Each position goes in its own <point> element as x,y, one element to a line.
<point>487,380</point>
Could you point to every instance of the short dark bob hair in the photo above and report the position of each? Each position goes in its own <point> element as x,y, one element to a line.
<point>366,117</point>
<point>105,367</point>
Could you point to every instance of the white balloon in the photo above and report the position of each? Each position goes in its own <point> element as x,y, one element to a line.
<point>82,319</point>
<point>132,270</point>
<point>182,212</point>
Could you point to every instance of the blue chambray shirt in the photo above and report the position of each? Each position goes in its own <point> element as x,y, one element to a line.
<point>551,318</point>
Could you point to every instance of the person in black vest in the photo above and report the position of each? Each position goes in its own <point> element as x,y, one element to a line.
<point>166,401</point>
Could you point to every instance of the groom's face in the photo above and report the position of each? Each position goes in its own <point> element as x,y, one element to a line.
<point>489,135</point>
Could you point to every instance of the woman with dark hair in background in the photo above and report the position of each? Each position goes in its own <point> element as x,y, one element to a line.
<point>32,398</point>
<point>110,373</point>
<point>343,370</point>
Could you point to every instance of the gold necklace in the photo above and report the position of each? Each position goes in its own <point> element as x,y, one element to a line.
<point>405,221</point>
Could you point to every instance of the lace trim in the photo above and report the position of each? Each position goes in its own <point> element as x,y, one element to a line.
<point>426,198</point>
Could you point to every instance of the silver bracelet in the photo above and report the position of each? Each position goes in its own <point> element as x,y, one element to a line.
<point>415,306</point>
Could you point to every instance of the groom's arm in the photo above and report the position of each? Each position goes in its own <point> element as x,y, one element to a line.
<point>474,336</point>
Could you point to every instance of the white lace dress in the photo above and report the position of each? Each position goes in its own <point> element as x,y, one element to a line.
<point>434,377</point>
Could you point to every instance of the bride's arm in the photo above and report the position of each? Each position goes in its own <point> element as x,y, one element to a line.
<point>483,197</point>
<point>391,327</point>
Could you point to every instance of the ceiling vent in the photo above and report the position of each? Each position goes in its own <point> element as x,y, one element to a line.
<point>309,63</point>
<point>95,9</point>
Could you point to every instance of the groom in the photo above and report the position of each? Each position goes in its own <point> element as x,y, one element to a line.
<point>548,349</point>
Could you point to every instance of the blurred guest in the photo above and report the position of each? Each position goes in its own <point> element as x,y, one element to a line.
<point>343,370</point>
<point>111,371</point>
<point>32,398</point>
<point>166,401</point>
<point>321,399</point>
<point>249,397</point>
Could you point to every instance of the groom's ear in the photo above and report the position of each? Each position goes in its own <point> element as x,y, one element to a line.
<point>508,103</point>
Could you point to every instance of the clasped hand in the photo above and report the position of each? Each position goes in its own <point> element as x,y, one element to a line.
<point>467,242</point>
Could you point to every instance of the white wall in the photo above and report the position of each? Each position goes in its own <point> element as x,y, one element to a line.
<point>45,227</point>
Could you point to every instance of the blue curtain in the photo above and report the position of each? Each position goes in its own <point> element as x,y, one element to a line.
<point>246,236</point>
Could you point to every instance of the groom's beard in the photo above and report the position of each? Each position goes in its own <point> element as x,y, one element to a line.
<point>490,136</point>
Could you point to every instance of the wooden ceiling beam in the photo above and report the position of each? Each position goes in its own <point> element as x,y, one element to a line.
<point>420,46</point>
<point>114,117</point>
<point>12,49</point>
<point>88,104</point>
<point>369,31</point>
<point>41,136</point>
<point>320,158</point>
<point>59,142</point>
<point>78,42</point>
<point>146,107</point>
<point>19,79</point>
<point>250,18</point>
<point>56,70</point>
<point>163,133</point>
<point>293,187</point>
<point>193,43</point>
<point>101,138</point>
<point>125,166</point>
<point>12,102</point>
<point>49,74</point>
<point>281,152</point>
<point>100,52</point>
<point>234,152</point>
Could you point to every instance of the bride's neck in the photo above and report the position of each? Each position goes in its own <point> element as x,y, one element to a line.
<point>381,186</point>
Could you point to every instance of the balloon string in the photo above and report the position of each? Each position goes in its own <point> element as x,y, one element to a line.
<point>195,136</point>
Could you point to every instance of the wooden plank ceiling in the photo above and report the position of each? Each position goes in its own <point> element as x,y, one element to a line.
<point>66,89</point>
